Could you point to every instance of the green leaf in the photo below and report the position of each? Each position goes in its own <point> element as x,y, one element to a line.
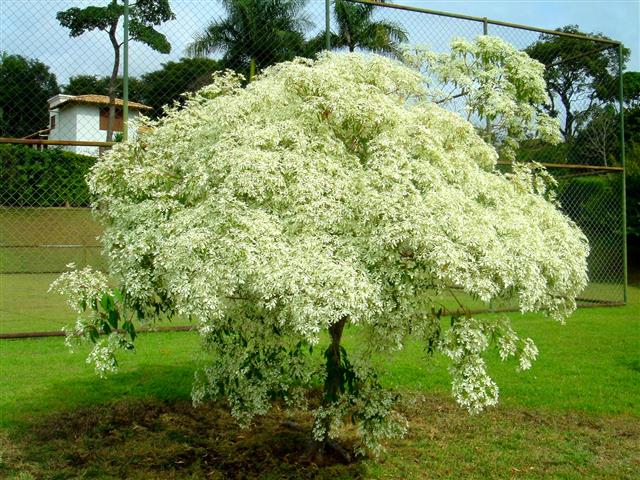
<point>117,294</point>
<point>113,317</point>
<point>130,329</point>
<point>106,328</point>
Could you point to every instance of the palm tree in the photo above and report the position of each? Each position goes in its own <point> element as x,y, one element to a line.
<point>255,33</point>
<point>357,29</point>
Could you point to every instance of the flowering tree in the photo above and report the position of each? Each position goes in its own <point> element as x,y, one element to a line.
<point>494,85</point>
<point>325,194</point>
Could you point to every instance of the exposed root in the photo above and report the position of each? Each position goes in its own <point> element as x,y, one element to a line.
<point>293,426</point>
<point>320,453</point>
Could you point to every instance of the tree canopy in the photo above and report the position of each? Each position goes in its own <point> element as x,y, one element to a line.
<point>326,194</point>
<point>156,89</point>
<point>170,83</point>
<point>143,16</point>
<point>492,84</point>
<point>578,72</point>
<point>255,33</point>
<point>356,28</point>
<point>631,89</point>
<point>27,84</point>
<point>93,84</point>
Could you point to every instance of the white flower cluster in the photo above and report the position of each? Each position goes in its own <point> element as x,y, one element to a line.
<point>528,355</point>
<point>326,190</point>
<point>81,288</point>
<point>103,354</point>
<point>465,342</point>
<point>373,411</point>
<point>500,88</point>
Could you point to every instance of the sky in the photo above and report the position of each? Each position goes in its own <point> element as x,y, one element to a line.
<point>29,28</point>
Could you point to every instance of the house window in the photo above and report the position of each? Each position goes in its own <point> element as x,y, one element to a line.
<point>53,122</point>
<point>117,120</point>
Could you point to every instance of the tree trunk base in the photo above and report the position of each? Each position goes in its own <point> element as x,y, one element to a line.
<point>329,451</point>
<point>320,453</point>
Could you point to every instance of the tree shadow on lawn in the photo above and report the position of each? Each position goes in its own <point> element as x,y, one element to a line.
<point>145,426</point>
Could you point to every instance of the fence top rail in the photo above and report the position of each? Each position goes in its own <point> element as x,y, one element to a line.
<point>570,166</point>
<point>37,141</point>
<point>487,21</point>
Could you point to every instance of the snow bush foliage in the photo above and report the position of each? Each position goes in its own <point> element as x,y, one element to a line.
<point>499,87</point>
<point>324,194</point>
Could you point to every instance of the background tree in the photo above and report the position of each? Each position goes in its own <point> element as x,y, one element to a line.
<point>320,198</point>
<point>255,34</point>
<point>27,84</point>
<point>144,15</point>
<point>598,142</point>
<point>92,84</point>
<point>357,29</point>
<point>168,84</point>
<point>632,155</point>
<point>631,89</point>
<point>577,73</point>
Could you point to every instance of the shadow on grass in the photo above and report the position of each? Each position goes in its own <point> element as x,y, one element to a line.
<point>142,424</point>
<point>166,383</point>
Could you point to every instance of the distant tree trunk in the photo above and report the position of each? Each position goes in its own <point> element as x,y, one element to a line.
<point>569,117</point>
<point>350,41</point>
<point>252,69</point>
<point>114,78</point>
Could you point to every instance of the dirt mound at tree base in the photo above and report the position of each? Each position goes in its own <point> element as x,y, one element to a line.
<point>153,439</point>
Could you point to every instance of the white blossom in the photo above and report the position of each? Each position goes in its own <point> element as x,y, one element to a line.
<point>528,354</point>
<point>498,87</point>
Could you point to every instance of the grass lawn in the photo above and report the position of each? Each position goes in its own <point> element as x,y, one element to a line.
<point>25,305</point>
<point>46,239</point>
<point>575,414</point>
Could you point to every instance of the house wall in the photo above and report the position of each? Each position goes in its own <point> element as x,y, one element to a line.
<point>88,127</point>
<point>82,122</point>
<point>65,128</point>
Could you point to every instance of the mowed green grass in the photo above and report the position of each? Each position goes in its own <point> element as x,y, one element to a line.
<point>27,306</point>
<point>46,239</point>
<point>575,414</point>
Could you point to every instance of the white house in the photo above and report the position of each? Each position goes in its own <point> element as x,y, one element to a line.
<point>85,118</point>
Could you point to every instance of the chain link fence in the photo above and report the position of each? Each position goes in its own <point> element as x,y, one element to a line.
<point>61,105</point>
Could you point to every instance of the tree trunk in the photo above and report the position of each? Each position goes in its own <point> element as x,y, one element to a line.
<point>333,388</point>
<point>114,78</point>
<point>334,382</point>
<point>252,69</point>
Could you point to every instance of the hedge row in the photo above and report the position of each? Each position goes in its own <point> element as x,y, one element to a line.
<point>43,178</point>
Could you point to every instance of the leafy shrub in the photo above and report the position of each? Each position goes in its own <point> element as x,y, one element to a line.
<point>595,203</point>
<point>43,178</point>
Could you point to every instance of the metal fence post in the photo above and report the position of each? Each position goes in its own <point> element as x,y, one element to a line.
<point>624,172</point>
<point>125,74</point>
<point>327,27</point>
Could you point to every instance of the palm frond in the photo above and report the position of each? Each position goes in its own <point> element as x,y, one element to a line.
<point>215,38</point>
